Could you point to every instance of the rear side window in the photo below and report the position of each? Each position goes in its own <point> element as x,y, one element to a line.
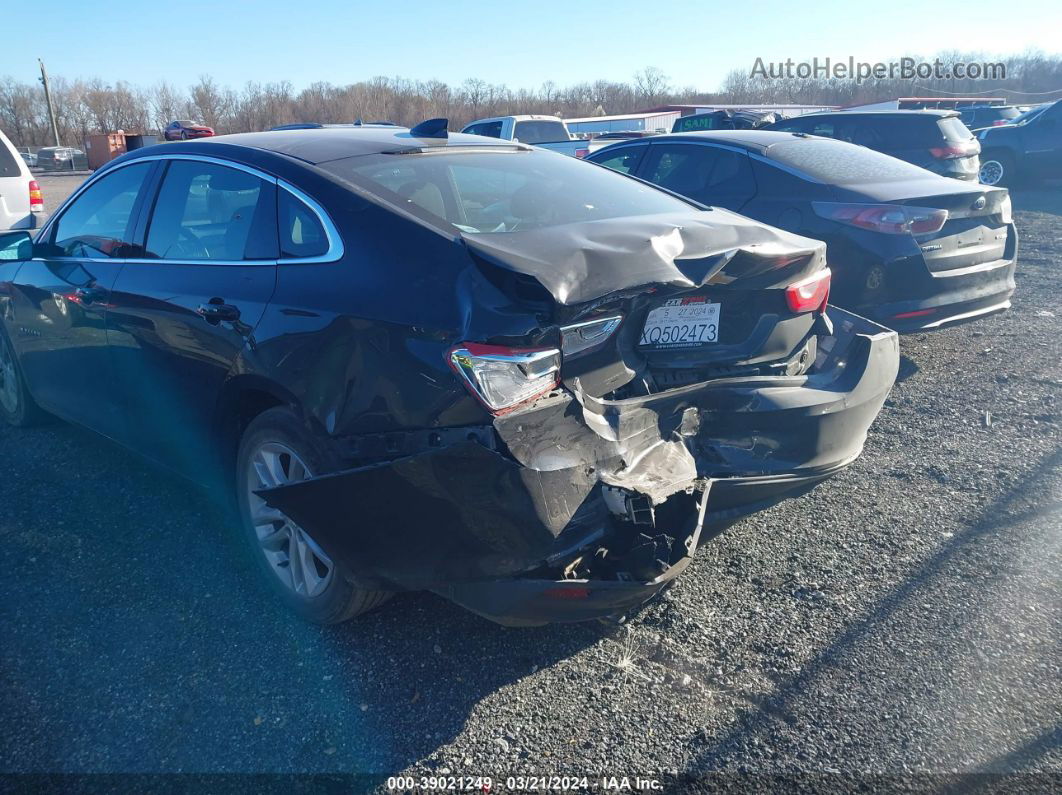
<point>708,174</point>
<point>540,132</point>
<point>954,129</point>
<point>98,223</point>
<point>624,160</point>
<point>301,232</point>
<point>205,211</point>
<point>9,161</point>
<point>838,163</point>
<point>490,129</point>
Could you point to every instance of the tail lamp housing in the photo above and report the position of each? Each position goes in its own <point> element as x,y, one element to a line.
<point>36,198</point>
<point>889,219</point>
<point>503,378</point>
<point>809,294</point>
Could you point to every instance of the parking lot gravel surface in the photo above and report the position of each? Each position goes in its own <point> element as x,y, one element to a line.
<point>904,619</point>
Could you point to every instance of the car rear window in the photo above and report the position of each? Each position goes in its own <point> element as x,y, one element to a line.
<point>954,129</point>
<point>540,132</point>
<point>481,192</point>
<point>9,162</point>
<point>839,163</point>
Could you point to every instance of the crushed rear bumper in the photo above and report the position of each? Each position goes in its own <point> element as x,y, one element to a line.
<point>583,507</point>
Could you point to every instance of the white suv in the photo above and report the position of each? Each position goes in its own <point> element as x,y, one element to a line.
<point>20,195</point>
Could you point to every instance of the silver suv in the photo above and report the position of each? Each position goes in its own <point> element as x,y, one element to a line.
<point>20,195</point>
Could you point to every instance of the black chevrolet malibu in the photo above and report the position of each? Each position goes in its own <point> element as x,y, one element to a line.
<point>908,248</point>
<point>426,362</point>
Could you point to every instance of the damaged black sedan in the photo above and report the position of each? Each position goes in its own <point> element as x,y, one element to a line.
<point>425,362</point>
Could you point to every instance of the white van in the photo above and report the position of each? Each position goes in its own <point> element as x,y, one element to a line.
<point>20,195</point>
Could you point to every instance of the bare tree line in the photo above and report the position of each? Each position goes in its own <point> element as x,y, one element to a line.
<point>83,107</point>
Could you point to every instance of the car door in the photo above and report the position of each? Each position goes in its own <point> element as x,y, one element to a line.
<point>61,298</point>
<point>718,176</point>
<point>182,314</point>
<point>1043,143</point>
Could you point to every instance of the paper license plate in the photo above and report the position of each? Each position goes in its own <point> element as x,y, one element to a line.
<point>681,323</point>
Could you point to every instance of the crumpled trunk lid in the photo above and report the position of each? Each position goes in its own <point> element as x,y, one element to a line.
<point>728,272</point>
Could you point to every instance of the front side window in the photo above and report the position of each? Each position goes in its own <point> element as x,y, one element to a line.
<point>206,211</point>
<point>99,223</point>
<point>481,192</point>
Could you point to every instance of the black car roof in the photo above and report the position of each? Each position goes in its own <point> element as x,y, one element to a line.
<point>333,143</point>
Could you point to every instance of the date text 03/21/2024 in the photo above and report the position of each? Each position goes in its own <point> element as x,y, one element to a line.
<point>489,784</point>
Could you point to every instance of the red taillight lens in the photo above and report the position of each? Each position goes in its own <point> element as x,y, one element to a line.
<point>502,378</point>
<point>580,153</point>
<point>952,151</point>
<point>809,294</point>
<point>889,219</point>
<point>36,197</point>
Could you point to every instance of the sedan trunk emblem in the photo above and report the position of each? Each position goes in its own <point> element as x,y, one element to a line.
<point>980,203</point>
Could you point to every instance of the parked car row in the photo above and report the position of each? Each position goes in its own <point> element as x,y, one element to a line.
<point>907,248</point>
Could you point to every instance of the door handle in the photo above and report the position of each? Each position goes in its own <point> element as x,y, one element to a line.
<point>88,295</point>
<point>217,310</point>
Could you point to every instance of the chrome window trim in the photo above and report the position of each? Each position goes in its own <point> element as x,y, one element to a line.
<point>146,159</point>
<point>335,241</point>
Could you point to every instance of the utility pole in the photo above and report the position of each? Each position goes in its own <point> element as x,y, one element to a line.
<point>48,99</point>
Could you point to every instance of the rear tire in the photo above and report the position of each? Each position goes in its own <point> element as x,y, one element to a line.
<point>276,448</point>
<point>997,170</point>
<point>16,406</point>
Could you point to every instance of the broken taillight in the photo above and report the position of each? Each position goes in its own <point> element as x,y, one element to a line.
<point>502,378</point>
<point>811,293</point>
<point>36,198</point>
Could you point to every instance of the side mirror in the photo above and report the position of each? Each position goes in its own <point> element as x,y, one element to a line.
<point>16,246</point>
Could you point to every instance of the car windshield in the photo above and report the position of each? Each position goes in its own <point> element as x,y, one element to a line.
<point>840,163</point>
<point>187,123</point>
<point>481,192</point>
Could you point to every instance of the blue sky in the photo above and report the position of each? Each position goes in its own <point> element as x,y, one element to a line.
<point>342,41</point>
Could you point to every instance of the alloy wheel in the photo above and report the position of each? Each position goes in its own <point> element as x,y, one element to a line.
<point>294,557</point>
<point>9,390</point>
<point>991,172</point>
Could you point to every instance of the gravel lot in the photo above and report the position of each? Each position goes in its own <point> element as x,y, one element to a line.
<point>903,619</point>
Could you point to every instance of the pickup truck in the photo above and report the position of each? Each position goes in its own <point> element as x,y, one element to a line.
<point>548,132</point>
<point>1030,147</point>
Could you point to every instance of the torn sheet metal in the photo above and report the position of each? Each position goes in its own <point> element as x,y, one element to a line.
<point>581,262</point>
<point>465,513</point>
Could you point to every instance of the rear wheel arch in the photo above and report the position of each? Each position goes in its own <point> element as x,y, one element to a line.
<point>243,399</point>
